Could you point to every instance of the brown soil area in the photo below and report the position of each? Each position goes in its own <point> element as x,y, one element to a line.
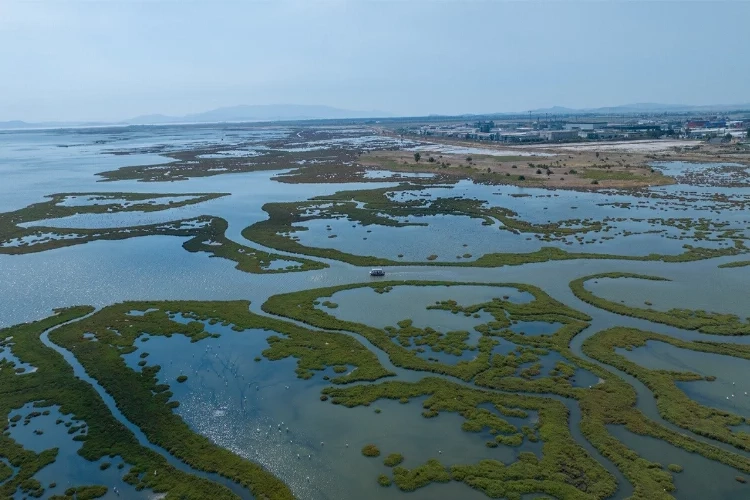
<point>579,170</point>
<point>628,161</point>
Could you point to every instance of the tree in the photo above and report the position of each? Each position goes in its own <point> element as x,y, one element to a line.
<point>417,156</point>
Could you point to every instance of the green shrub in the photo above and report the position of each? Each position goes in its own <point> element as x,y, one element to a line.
<point>370,450</point>
<point>393,460</point>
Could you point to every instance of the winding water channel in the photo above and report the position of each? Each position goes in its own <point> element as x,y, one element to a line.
<point>101,273</point>
<point>80,372</point>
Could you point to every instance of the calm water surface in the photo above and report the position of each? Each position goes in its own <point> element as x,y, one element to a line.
<point>233,400</point>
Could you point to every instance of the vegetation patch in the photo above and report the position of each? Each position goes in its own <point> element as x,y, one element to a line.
<point>739,263</point>
<point>54,383</point>
<point>209,161</point>
<point>393,460</point>
<point>301,307</point>
<point>621,171</point>
<point>688,319</point>
<point>673,404</point>
<point>83,493</point>
<point>207,234</point>
<point>370,450</point>
<point>140,398</point>
<point>564,465</point>
<point>382,207</point>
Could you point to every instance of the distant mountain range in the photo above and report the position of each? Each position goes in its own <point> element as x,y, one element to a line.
<point>294,112</point>
<point>260,113</point>
<point>642,107</point>
<point>245,113</point>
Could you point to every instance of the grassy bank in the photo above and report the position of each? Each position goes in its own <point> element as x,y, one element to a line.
<point>53,383</point>
<point>207,234</point>
<point>706,322</point>
<point>148,404</point>
<point>564,469</point>
<point>383,207</point>
<point>673,404</point>
<point>301,306</point>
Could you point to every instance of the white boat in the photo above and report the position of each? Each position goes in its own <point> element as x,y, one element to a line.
<point>377,272</point>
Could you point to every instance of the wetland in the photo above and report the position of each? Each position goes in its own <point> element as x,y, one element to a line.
<point>188,313</point>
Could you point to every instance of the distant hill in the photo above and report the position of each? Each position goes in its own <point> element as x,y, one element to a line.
<point>255,113</point>
<point>642,107</point>
<point>292,112</point>
<point>19,124</point>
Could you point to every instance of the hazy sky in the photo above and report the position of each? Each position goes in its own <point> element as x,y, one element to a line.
<point>114,59</point>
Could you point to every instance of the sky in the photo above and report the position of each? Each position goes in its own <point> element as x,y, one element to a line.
<point>106,60</point>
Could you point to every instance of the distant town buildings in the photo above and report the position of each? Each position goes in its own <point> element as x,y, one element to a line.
<point>585,129</point>
<point>560,135</point>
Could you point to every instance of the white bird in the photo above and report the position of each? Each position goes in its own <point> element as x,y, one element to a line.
<point>440,452</point>
<point>321,443</point>
<point>297,455</point>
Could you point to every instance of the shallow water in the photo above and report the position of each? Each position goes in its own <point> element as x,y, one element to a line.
<point>247,406</point>
<point>687,291</point>
<point>700,479</point>
<point>52,431</point>
<point>450,237</point>
<point>33,165</point>
<point>534,328</point>
<point>729,392</point>
<point>461,150</point>
<point>6,354</point>
<point>412,302</point>
<point>384,174</point>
